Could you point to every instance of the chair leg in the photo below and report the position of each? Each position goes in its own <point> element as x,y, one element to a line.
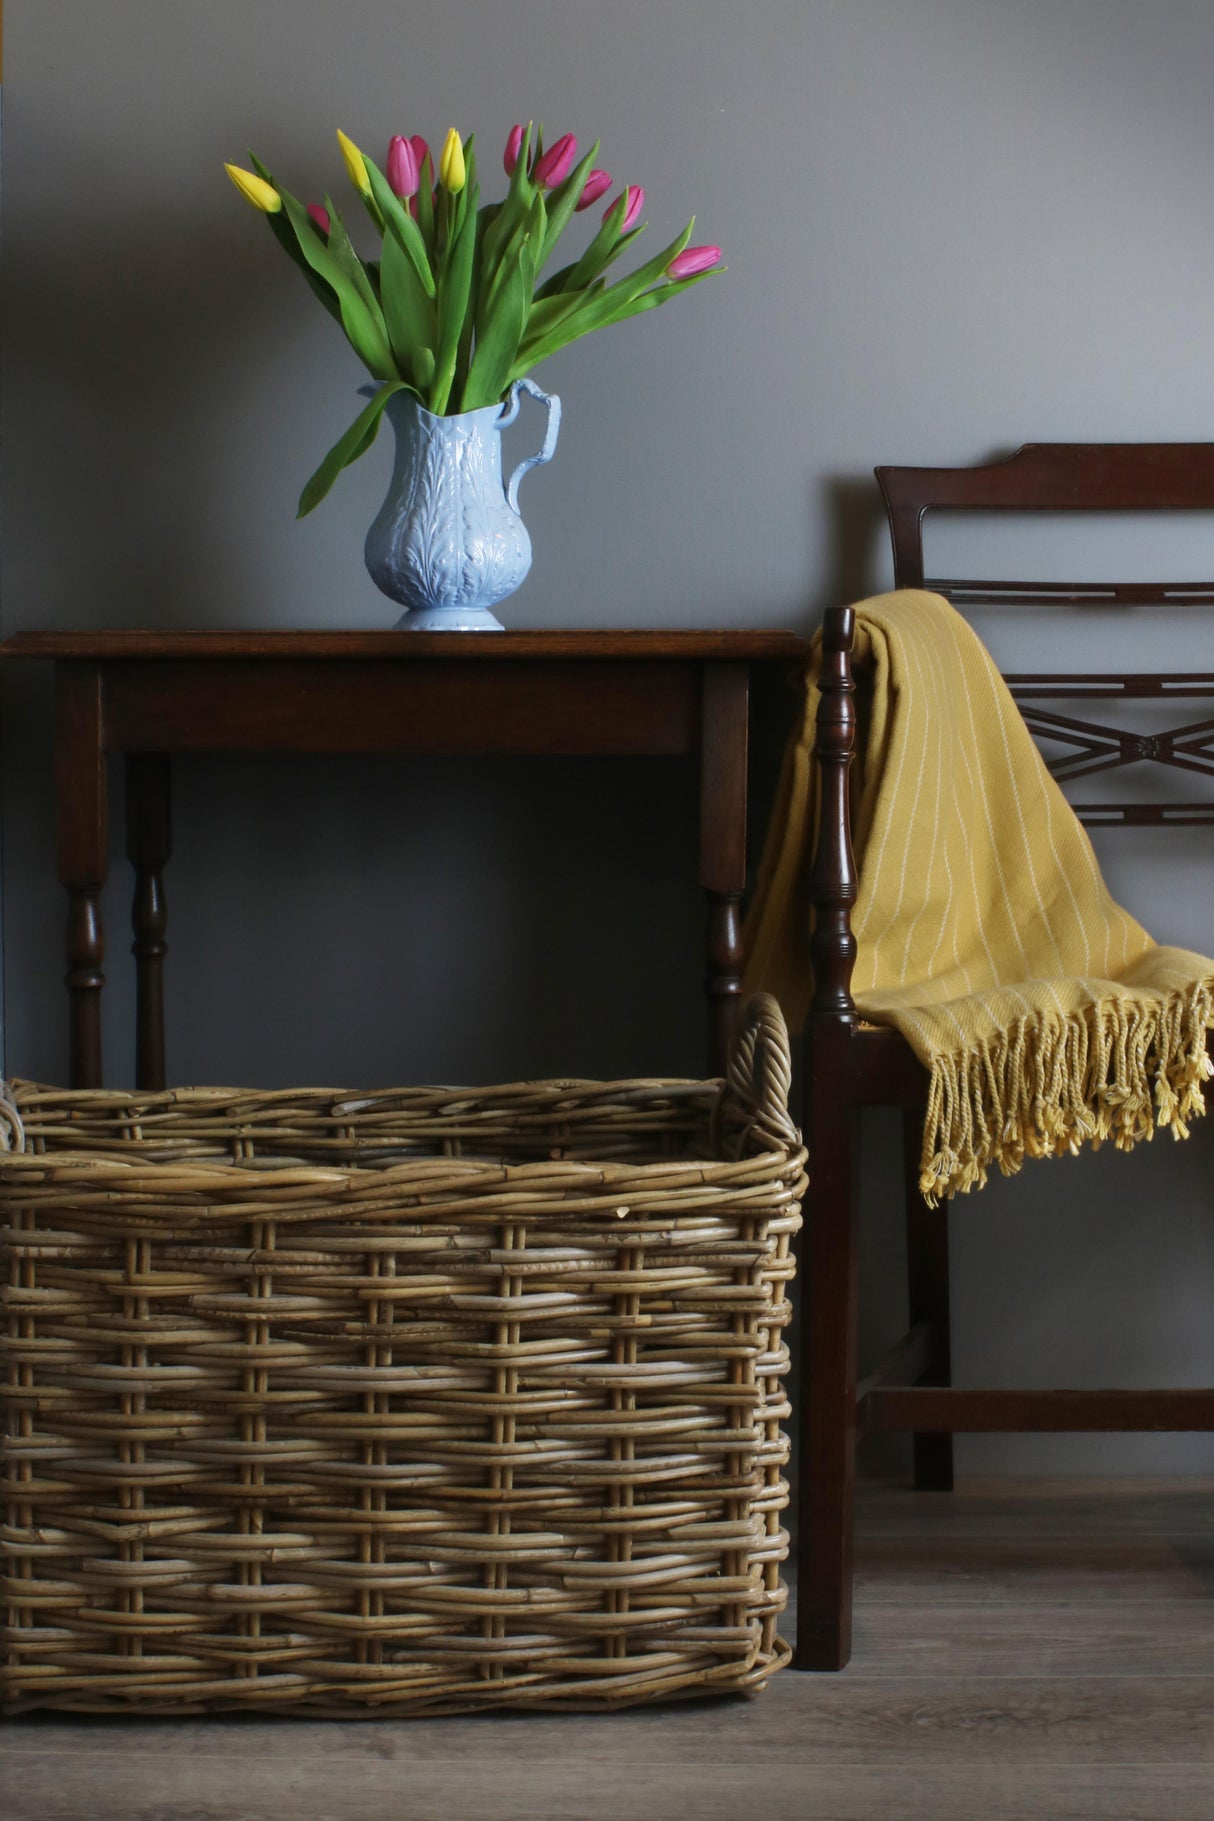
<point>927,1273</point>
<point>828,1392</point>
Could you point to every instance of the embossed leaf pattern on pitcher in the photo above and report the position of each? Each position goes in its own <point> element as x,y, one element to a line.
<point>448,542</point>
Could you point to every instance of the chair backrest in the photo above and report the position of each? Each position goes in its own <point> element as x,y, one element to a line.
<point>1079,477</point>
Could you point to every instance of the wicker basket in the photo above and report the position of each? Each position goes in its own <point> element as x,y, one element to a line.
<point>399,1402</point>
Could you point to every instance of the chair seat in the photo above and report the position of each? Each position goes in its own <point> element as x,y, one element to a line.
<point>882,1068</point>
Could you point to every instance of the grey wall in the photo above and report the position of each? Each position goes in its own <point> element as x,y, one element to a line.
<point>950,225</point>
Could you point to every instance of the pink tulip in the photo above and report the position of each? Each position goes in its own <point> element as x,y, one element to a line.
<point>596,185</point>
<point>320,216</point>
<point>402,167</point>
<point>556,163</point>
<point>514,145</point>
<point>692,260</point>
<point>633,200</point>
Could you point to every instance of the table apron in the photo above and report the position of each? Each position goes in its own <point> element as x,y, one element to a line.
<point>545,706</point>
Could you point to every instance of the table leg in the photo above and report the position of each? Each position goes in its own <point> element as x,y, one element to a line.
<point>148,846</point>
<point>723,734</point>
<point>83,839</point>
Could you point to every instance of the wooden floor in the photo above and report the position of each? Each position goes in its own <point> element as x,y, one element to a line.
<point>1023,1649</point>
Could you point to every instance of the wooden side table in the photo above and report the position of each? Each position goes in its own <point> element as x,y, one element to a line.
<point>147,695</point>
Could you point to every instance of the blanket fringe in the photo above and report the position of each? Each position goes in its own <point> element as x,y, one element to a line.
<point>1052,1084</point>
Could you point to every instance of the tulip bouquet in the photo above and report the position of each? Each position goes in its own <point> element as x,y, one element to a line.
<point>454,308</point>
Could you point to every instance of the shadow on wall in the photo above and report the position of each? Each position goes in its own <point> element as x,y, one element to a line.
<point>135,353</point>
<point>855,519</point>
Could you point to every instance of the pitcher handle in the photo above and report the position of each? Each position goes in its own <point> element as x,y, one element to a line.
<point>546,453</point>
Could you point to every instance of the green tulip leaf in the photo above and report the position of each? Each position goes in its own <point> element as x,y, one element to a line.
<point>423,370</point>
<point>497,344</point>
<point>341,251</point>
<point>555,282</point>
<point>356,441</point>
<point>532,353</point>
<point>653,269</point>
<point>442,231</point>
<point>400,225</point>
<point>451,209</point>
<point>603,251</point>
<point>455,284</point>
<point>530,227</point>
<point>284,234</point>
<point>361,313</point>
<point>408,312</point>
<point>368,339</point>
<point>361,319</point>
<point>662,294</point>
<point>563,201</point>
<point>463,358</point>
<point>515,212</point>
<point>545,314</point>
<point>601,309</point>
<point>425,203</point>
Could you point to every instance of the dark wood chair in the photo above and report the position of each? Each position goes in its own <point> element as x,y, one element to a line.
<point>851,1065</point>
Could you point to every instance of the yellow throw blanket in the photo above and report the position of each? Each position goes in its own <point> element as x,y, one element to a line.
<point>1046,1015</point>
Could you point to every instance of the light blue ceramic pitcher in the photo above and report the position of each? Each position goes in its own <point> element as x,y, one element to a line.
<point>448,542</point>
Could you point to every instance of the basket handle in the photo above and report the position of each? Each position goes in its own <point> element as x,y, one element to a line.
<point>759,1078</point>
<point>12,1132</point>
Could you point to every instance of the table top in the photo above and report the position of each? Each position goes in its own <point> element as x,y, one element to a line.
<point>741,646</point>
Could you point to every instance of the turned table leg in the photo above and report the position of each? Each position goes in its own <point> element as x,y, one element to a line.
<point>82,840</point>
<point>148,846</point>
<point>723,733</point>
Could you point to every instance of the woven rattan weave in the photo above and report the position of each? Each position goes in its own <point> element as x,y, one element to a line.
<point>414,1401</point>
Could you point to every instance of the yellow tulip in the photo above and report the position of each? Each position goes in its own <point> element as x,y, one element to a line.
<point>354,164</point>
<point>451,172</point>
<point>261,194</point>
